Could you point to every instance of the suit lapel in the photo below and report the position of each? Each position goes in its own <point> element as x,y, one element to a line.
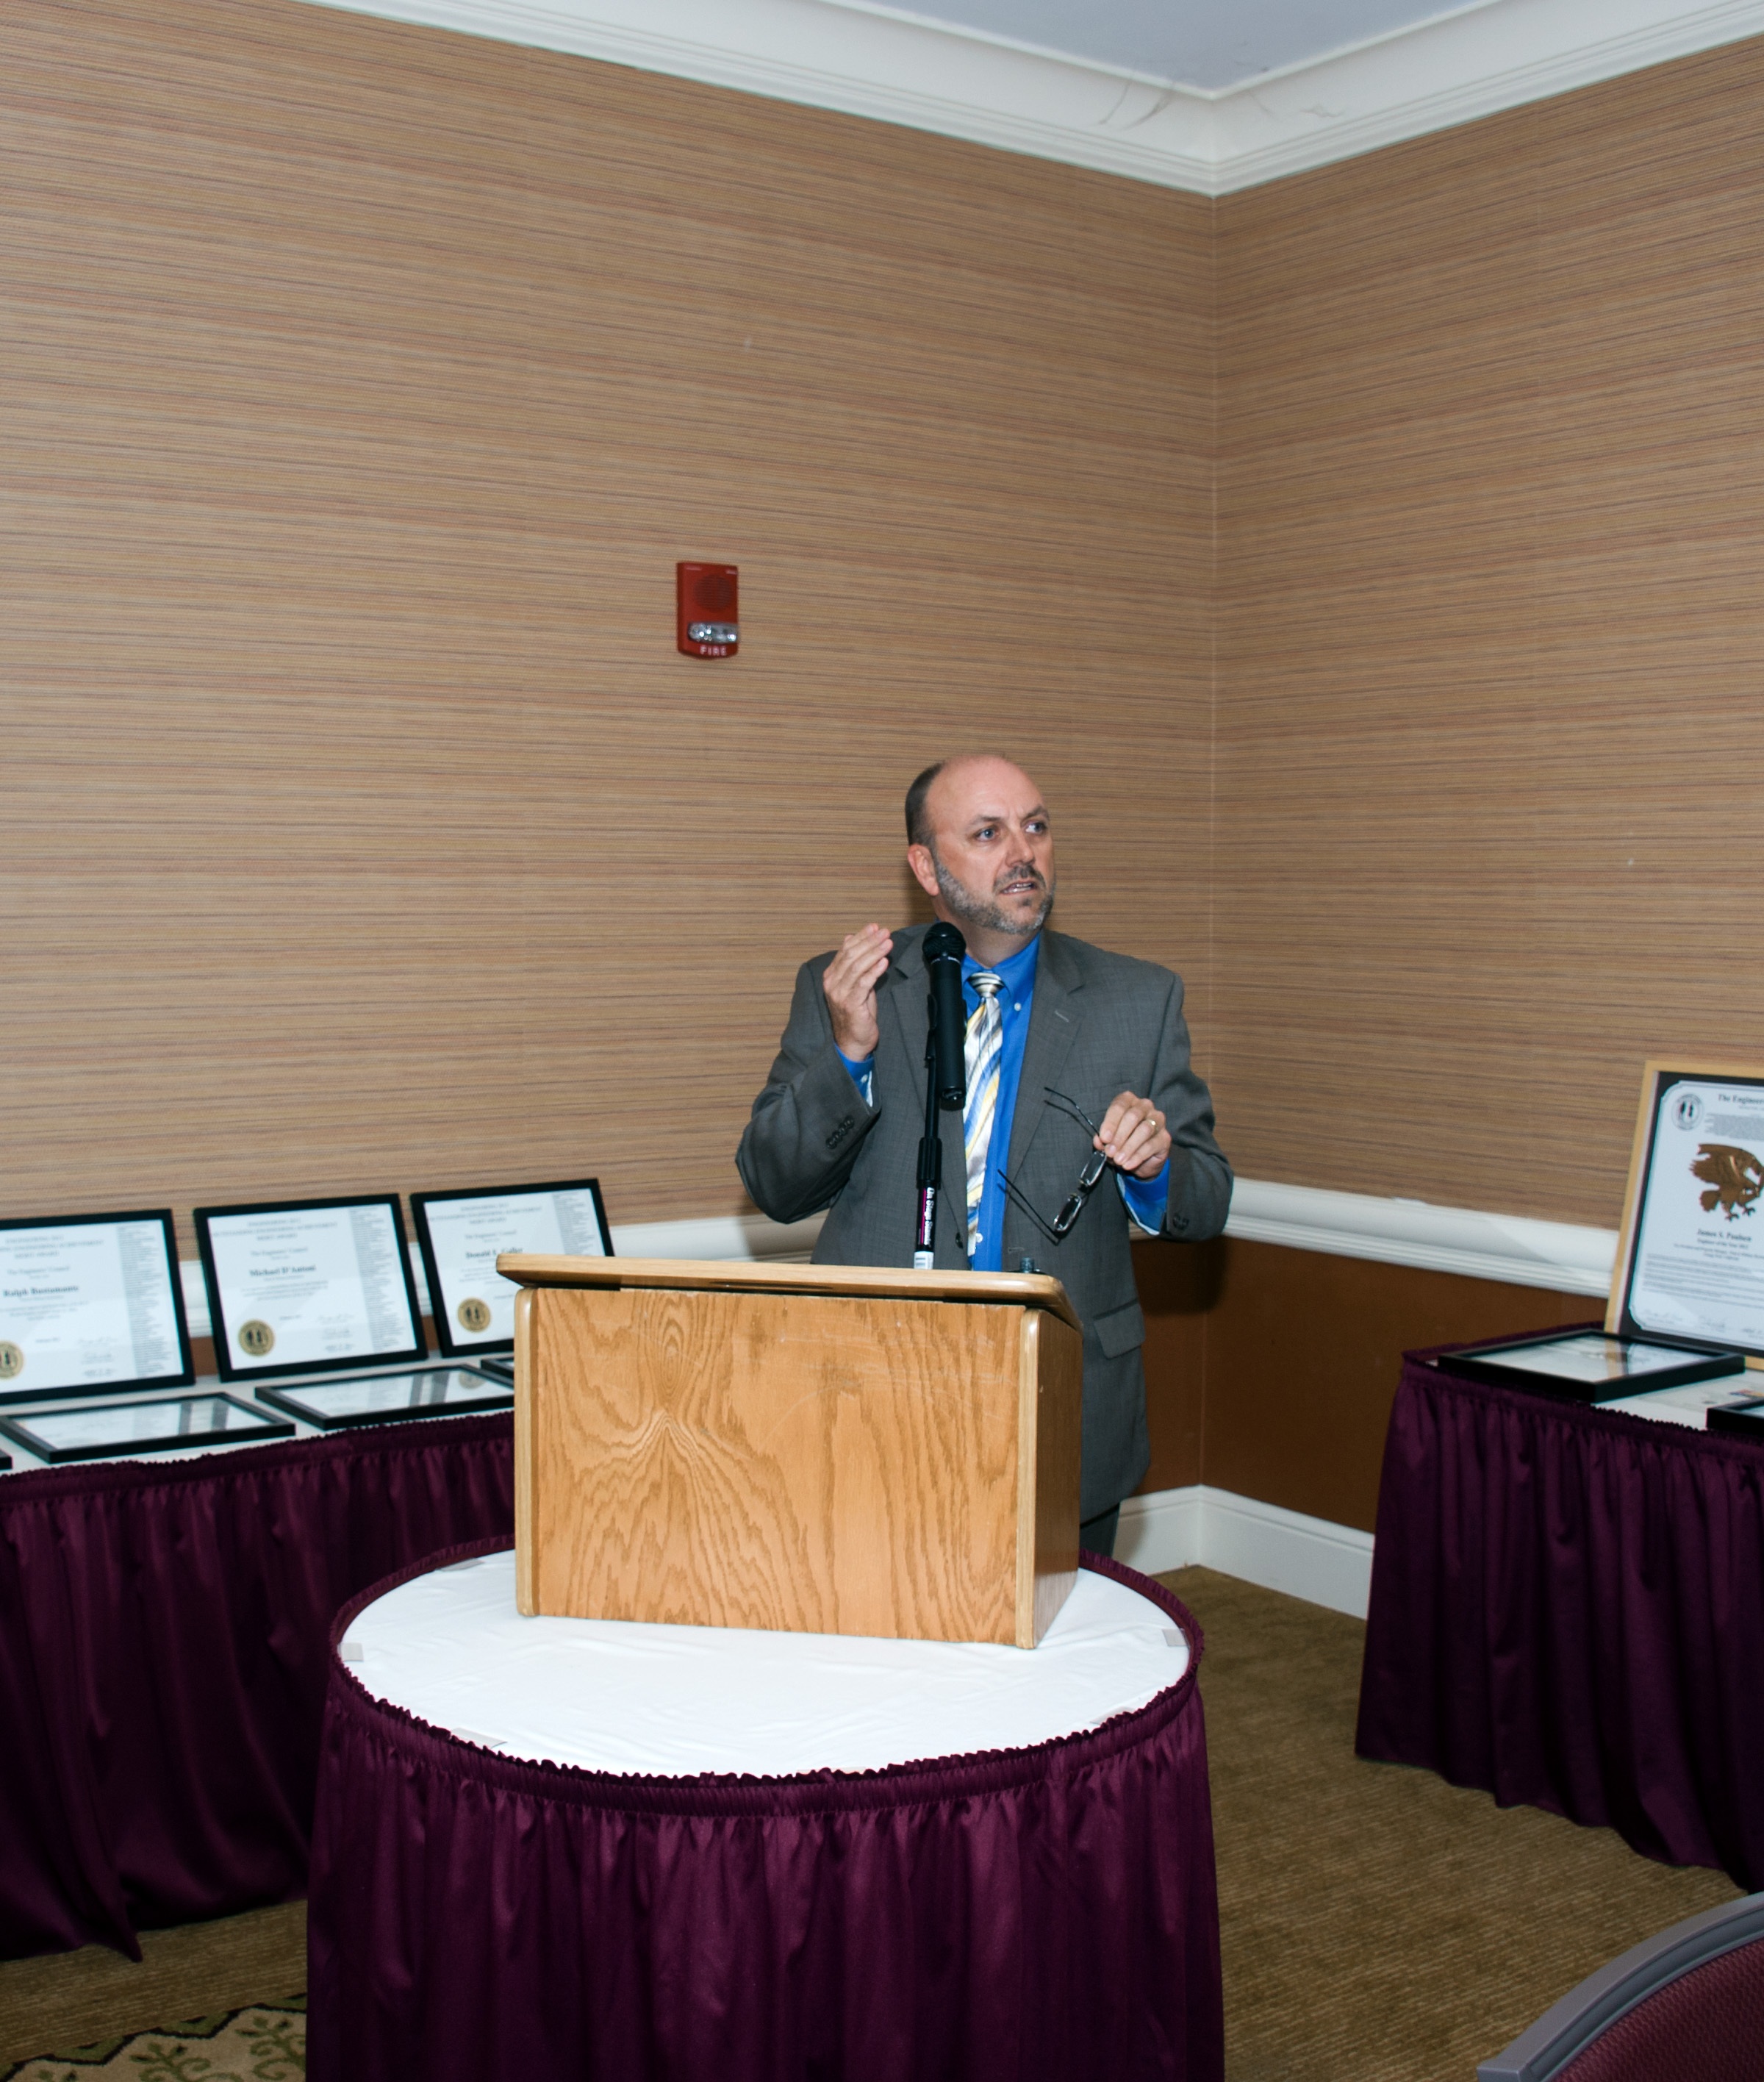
<point>1055,1014</point>
<point>902,991</point>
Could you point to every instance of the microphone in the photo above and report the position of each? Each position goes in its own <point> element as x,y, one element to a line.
<point>946,1076</point>
<point>944,949</point>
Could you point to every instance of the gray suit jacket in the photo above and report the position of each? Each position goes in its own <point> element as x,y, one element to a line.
<point>1099,1024</point>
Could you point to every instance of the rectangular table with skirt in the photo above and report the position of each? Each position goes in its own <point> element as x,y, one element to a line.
<point>1567,1611</point>
<point>164,1651</point>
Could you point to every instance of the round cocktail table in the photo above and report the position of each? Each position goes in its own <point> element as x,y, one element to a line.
<point>553,1847</point>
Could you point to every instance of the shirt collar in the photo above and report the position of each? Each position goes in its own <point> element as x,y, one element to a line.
<point>1017,972</point>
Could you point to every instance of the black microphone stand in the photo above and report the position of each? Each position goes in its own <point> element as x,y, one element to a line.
<point>924,1254</point>
<point>945,1079</point>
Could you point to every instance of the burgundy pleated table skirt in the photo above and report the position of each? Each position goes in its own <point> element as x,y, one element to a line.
<point>1568,1611</point>
<point>165,1632</point>
<point>1046,1912</point>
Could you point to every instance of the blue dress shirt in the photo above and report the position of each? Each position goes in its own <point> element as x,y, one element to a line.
<point>1146,1197</point>
<point>1017,974</point>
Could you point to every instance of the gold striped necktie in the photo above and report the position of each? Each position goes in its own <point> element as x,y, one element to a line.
<point>983,1047</point>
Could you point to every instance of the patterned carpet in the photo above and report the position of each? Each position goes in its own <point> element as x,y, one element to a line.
<point>265,2043</point>
<point>1377,1924</point>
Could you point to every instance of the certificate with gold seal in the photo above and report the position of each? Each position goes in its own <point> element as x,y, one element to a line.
<point>1690,1255</point>
<point>461,1234</point>
<point>90,1303</point>
<point>308,1286</point>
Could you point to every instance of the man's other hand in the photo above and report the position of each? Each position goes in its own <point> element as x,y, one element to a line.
<point>1133,1135</point>
<point>850,987</point>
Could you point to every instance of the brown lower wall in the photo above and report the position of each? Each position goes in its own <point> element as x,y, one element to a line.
<point>1270,1371</point>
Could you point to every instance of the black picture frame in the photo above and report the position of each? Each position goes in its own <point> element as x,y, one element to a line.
<point>264,1428</point>
<point>1743,1423</point>
<point>497,1395</point>
<point>228,1368</point>
<point>452,1346</point>
<point>1494,1363</point>
<point>185,1377</point>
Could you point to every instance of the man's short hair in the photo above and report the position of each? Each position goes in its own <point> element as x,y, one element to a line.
<point>919,829</point>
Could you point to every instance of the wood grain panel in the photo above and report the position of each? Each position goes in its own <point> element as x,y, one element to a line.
<point>1050,1438</point>
<point>1178,1286</point>
<point>1490,612</point>
<point>363,384</point>
<point>826,1463</point>
<point>1039,1290</point>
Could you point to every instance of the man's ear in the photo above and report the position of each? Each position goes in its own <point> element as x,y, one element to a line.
<point>924,868</point>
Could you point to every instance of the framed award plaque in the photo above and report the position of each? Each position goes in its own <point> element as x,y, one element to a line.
<point>389,1399</point>
<point>309,1286</point>
<point>1591,1366</point>
<point>461,1235</point>
<point>1690,1253</point>
<point>119,1431</point>
<point>90,1303</point>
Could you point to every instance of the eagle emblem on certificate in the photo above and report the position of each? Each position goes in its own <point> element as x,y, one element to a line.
<point>1735,1178</point>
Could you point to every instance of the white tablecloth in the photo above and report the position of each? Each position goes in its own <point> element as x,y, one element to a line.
<point>674,1701</point>
<point>1689,1405</point>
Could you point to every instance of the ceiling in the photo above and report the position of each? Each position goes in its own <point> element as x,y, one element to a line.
<point>1209,44</point>
<point>1210,95</point>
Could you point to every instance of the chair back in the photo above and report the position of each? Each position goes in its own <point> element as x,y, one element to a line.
<point>1686,2006</point>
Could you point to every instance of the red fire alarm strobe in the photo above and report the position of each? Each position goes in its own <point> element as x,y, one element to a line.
<point>706,624</point>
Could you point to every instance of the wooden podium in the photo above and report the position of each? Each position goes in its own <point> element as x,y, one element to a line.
<point>823,1449</point>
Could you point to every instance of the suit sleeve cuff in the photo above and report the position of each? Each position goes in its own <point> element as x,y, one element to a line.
<point>863,1075</point>
<point>1146,1199</point>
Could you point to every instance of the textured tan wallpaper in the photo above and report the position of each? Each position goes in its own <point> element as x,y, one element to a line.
<point>362,384</point>
<point>1492,642</point>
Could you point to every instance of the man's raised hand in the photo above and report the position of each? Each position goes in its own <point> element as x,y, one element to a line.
<point>849,985</point>
<point>1133,1137</point>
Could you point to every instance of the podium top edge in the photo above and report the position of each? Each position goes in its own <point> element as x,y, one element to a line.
<point>1028,1290</point>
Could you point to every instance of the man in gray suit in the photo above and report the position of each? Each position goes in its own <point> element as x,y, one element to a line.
<point>1082,1107</point>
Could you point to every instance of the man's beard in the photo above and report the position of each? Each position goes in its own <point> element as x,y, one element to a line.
<point>982,912</point>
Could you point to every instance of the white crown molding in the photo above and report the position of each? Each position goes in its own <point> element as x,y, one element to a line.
<point>1515,1249</point>
<point>1512,1248</point>
<point>1453,70</point>
<point>892,67</point>
<point>899,68</point>
<point>1203,1527</point>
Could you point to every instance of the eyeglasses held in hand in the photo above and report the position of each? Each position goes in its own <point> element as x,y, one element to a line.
<point>1060,1227</point>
